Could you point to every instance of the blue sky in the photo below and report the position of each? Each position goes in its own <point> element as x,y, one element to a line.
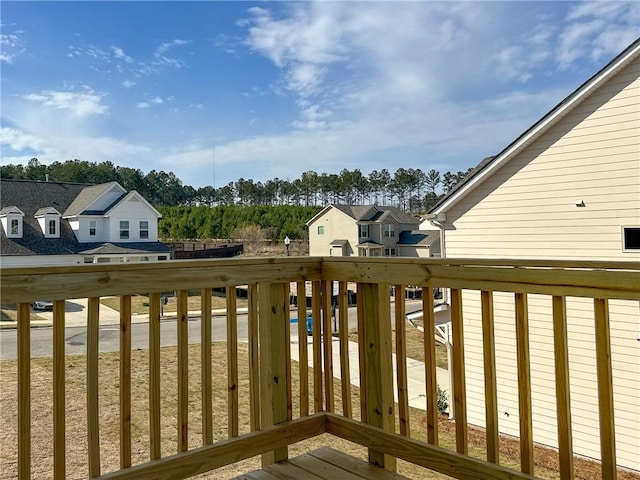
<point>279,88</point>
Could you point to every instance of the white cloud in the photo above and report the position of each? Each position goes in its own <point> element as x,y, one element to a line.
<point>79,104</point>
<point>11,45</point>
<point>57,144</point>
<point>160,59</point>
<point>151,102</point>
<point>598,30</point>
<point>120,55</point>
<point>128,83</point>
<point>19,141</point>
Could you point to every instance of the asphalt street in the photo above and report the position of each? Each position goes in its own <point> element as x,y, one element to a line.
<point>76,332</point>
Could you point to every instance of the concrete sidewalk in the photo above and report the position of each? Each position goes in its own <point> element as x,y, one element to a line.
<point>416,383</point>
<point>76,315</point>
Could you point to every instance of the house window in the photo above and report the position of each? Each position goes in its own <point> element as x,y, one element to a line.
<point>321,230</point>
<point>124,228</point>
<point>15,227</point>
<point>390,230</point>
<point>363,252</point>
<point>88,259</point>
<point>93,225</point>
<point>52,227</point>
<point>144,229</point>
<point>631,238</point>
<point>389,252</point>
<point>364,231</point>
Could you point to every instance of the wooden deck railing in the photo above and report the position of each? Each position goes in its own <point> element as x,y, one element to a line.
<point>273,422</point>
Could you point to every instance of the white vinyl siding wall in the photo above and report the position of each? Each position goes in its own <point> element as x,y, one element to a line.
<point>527,209</point>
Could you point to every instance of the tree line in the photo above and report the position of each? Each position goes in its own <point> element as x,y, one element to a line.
<point>230,221</point>
<point>413,190</point>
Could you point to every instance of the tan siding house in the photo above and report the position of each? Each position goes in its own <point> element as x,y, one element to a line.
<point>568,188</point>
<point>369,230</point>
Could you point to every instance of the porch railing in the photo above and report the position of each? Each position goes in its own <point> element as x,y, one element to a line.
<point>274,425</point>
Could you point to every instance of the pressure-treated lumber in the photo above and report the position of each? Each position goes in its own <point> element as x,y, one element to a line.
<point>524,383</point>
<point>273,361</point>
<point>59,437</point>
<point>125,381</point>
<point>552,277</point>
<point>205,366</point>
<point>316,315</point>
<point>233,409</point>
<point>24,391</point>
<point>563,398</point>
<point>401,361</point>
<point>183,371</point>
<point>378,365</point>
<point>224,452</point>
<point>343,336</point>
<point>490,381</point>
<point>254,365</point>
<point>431,384</point>
<point>605,389</point>
<point>327,350</point>
<point>93,415</point>
<point>154,376</point>
<point>303,350</point>
<point>459,385</point>
<point>429,456</point>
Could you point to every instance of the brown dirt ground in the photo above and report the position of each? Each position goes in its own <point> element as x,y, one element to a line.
<point>42,417</point>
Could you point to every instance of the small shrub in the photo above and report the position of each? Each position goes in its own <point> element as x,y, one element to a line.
<point>443,404</point>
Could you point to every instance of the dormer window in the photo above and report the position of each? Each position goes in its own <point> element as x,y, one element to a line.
<point>49,221</point>
<point>11,219</point>
<point>14,227</point>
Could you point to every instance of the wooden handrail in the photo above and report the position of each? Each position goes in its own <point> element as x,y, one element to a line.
<point>271,402</point>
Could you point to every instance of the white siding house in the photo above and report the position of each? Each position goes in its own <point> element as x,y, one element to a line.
<point>51,223</point>
<point>568,188</point>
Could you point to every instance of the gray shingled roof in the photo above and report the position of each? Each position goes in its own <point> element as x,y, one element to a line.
<point>359,213</point>
<point>32,196</point>
<point>419,237</point>
<point>86,198</point>
<point>123,248</point>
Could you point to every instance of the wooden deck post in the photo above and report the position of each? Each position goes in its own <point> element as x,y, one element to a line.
<point>273,361</point>
<point>378,366</point>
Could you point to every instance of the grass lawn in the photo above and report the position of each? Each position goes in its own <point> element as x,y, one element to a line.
<point>42,416</point>
<point>140,303</point>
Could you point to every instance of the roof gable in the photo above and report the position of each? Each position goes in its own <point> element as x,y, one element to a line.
<point>491,164</point>
<point>46,211</point>
<point>132,196</point>
<point>11,210</point>
<point>95,199</point>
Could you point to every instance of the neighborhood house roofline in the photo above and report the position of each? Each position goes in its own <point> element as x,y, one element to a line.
<point>46,211</point>
<point>360,212</point>
<point>129,196</point>
<point>491,164</point>
<point>11,210</point>
<point>88,196</point>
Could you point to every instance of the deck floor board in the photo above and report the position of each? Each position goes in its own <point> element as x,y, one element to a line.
<point>322,464</point>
